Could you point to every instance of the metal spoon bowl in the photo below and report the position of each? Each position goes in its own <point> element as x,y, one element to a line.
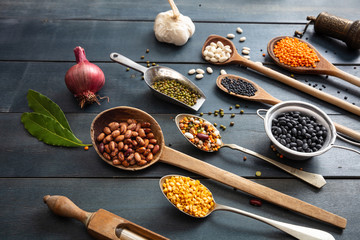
<point>156,73</point>
<point>293,230</point>
<point>316,180</point>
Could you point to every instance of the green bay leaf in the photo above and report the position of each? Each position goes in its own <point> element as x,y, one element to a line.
<point>48,130</point>
<point>44,105</point>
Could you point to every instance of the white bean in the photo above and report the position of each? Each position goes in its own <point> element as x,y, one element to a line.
<point>209,70</point>
<point>217,56</point>
<point>213,60</point>
<point>239,30</point>
<point>210,54</point>
<point>207,58</point>
<point>230,35</point>
<point>212,44</point>
<point>220,44</point>
<point>223,59</point>
<point>222,72</point>
<point>188,135</point>
<point>246,48</point>
<point>200,71</point>
<point>259,63</point>
<point>247,52</point>
<point>242,39</point>
<point>199,76</point>
<point>191,71</point>
<point>247,57</point>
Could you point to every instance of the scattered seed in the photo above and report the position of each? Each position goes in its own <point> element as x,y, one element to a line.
<point>247,57</point>
<point>230,36</point>
<point>142,57</point>
<point>239,30</point>
<point>258,173</point>
<point>246,52</point>
<point>215,124</point>
<point>242,111</point>
<point>230,107</point>
<point>86,148</point>
<point>232,124</point>
<point>201,114</point>
<point>128,69</point>
<point>255,202</point>
<point>232,115</point>
<point>147,50</point>
<point>200,71</point>
<point>209,70</point>
<point>242,39</point>
<point>222,72</point>
<point>191,71</point>
<point>199,76</point>
<point>244,158</point>
<point>209,113</point>
<point>153,64</point>
<point>263,54</point>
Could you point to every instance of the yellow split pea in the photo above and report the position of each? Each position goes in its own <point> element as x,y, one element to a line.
<point>189,195</point>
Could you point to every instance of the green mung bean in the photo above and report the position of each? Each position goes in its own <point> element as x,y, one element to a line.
<point>176,90</point>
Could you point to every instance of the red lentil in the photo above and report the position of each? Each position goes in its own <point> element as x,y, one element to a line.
<point>295,53</point>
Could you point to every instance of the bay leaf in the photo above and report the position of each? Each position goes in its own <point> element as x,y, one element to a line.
<point>48,130</point>
<point>41,104</point>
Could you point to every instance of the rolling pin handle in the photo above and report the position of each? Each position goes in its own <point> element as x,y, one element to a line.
<point>64,207</point>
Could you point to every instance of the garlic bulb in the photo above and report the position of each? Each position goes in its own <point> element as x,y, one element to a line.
<point>174,29</point>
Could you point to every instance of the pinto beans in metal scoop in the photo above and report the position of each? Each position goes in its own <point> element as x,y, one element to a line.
<point>128,143</point>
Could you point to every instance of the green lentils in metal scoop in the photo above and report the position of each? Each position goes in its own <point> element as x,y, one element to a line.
<point>177,90</point>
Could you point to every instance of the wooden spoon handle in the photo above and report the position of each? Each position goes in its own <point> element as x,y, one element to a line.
<point>314,179</point>
<point>300,86</point>
<point>345,76</point>
<point>191,164</point>
<point>64,207</point>
<point>174,8</point>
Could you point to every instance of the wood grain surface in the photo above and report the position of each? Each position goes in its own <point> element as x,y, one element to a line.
<point>37,39</point>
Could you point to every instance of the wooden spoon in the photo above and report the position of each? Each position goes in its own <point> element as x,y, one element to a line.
<point>262,96</point>
<point>236,58</point>
<point>322,67</point>
<point>181,160</point>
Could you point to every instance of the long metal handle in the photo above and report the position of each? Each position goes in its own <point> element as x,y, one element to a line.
<point>117,57</point>
<point>314,179</point>
<point>299,232</point>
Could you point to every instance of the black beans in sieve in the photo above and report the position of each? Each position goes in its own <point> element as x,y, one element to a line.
<point>298,131</point>
<point>238,86</point>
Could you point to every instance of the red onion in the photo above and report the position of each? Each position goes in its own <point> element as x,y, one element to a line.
<point>84,79</point>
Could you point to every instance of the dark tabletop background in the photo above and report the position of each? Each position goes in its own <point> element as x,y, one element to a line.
<point>37,39</point>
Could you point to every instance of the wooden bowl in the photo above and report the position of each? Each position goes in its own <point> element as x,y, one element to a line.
<point>119,114</point>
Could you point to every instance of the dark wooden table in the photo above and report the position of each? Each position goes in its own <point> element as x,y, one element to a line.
<point>37,39</point>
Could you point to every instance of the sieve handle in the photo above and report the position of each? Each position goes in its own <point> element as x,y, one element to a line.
<point>258,112</point>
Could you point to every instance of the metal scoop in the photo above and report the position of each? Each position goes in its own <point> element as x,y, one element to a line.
<point>296,231</point>
<point>153,74</point>
<point>314,179</point>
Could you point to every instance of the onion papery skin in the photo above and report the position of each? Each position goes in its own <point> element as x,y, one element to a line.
<point>84,79</point>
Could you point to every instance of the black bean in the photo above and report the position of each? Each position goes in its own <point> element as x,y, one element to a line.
<point>239,86</point>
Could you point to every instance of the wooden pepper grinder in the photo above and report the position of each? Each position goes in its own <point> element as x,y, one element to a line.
<point>336,27</point>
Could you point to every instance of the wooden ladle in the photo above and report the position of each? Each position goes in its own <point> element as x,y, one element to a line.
<point>322,67</point>
<point>262,96</point>
<point>236,58</point>
<point>176,158</point>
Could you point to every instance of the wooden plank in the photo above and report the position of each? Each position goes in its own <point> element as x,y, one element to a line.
<point>24,156</point>
<point>100,38</point>
<point>211,10</point>
<point>141,202</point>
<point>127,88</point>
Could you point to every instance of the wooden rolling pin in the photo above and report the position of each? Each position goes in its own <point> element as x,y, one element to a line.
<point>101,224</point>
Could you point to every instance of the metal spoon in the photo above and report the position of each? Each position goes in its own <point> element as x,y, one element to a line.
<point>153,74</point>
<point>322,67</point>
<point>314,179</point>
<point>296,231</point>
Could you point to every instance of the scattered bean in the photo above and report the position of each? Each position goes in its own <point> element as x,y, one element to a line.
<point>222,72</point>
<point>242,39</point>
<point>230,36</point>
<point>239,30</point>
<point>191,71</point>
<point>209,70</point>
<point>199,76</point>
<point>255,202</point>
<point>200,71</point>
